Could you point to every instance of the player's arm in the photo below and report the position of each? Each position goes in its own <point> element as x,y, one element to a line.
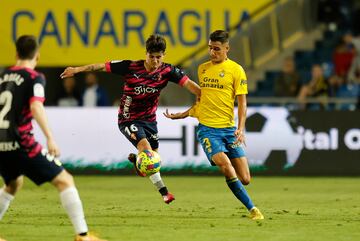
<point>193,87</point>
<point>192,111</point>
<point>38,112</point>
<point>71,71</point>
<point>175,116</point>
<point>240,131</point>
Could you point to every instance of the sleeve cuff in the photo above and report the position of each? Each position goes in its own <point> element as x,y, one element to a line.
<point>108,67</point>
<point>183,80</point>
<point>35,98</point>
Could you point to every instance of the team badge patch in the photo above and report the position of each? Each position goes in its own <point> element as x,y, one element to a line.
<point>39,90</point>
<point>222,74</point>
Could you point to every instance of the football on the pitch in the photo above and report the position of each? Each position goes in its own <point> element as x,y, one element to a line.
<point>148,162</point>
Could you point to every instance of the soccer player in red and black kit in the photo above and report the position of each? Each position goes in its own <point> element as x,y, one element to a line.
<point>21,99</point>
<point>144,80</point>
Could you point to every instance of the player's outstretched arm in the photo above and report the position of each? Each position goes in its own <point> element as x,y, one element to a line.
<point>193,111</point>
<point>71,71</point>
<point>175,116</point>
<point>38,112</point>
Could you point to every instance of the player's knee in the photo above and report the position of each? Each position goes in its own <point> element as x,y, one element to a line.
<point>227,169</point>
<point>63,181</point>
<point>245,180</point>
<point>14,186</point>
<point>143,145</point>
<point>67,179</point>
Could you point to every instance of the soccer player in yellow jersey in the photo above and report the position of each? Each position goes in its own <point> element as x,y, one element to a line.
<point>221,81</point>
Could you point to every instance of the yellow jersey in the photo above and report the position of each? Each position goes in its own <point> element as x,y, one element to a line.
<point>220,84</point>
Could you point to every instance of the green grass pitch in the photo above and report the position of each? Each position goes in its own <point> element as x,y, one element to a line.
<point>128,209</point>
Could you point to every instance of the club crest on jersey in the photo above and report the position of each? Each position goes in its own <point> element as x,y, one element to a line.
<point>156,77</point>
<point>222,73</point>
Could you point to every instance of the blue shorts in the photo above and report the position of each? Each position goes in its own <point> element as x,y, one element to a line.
<point>134,131</point>
<point>39,169</point>
<point>215,140</point>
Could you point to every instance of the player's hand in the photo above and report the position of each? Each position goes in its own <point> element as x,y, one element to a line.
<point>68,72</point>
<point>53,148</point>
<point>173,116</point>
<point>240,137</point>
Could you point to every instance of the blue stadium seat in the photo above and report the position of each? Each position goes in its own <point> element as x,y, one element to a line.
<point>271,75</point>
<point>348,91</point>
<point>265,93</point>
<point>304,59</point>
<point>305,76</point>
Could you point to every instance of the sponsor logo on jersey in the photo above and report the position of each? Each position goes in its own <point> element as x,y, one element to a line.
<point>126,110</point>
<point>143,89</point>
<point>12,78</point>
<point>211,83</point>
<point>243,82</point>
<point>9,146</point>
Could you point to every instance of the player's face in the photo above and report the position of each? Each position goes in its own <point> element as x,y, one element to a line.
<point>218,51</point>
<point>154,60</point>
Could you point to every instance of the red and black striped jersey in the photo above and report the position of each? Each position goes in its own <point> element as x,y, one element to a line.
<point>19,87</point>
<point>142,89</point>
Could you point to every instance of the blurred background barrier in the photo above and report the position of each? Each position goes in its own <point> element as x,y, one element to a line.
<point>279,142</point>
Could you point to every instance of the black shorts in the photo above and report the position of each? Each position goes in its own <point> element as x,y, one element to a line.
<point>134,131</point>
<point>39,169</point>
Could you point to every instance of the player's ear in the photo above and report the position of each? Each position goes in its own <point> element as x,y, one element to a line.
<point>37,56</point>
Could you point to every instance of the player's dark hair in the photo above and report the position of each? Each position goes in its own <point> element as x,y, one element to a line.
<point>26,46</point>
<point>219,36</point>
<point>155,43</point>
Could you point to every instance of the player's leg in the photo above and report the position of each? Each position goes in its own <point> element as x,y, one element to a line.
<point>238,160</point>
<point>233,182</point>
<point>143,135</point>
<point>156,177</point>
<point>236,154</point>
<point>7,194</point>
<point>70,201</point>
<point>242,170</point>
<point>10,172</point>
<point>214,146</point>
<point>225,166</point>
<point>45,168</point>
<point>134,132</point>
<point>151,132</point>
